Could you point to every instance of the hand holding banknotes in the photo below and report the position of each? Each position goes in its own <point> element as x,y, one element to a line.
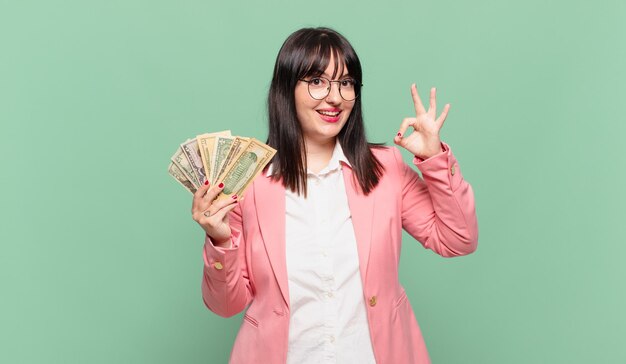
<point>217,168</point>
<point>212,214</point>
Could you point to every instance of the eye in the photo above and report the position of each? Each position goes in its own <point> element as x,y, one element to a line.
<point>316,81</point>
<point>348,82</point>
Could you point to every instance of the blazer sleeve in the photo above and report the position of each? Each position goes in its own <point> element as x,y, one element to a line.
<point>438,210</point>
<point>226,288</point>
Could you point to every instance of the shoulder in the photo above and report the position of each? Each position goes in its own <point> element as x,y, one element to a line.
<point>387,155</point>
<point>390,158</point>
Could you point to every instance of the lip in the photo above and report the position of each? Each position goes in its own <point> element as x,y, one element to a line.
<point>327,118</point>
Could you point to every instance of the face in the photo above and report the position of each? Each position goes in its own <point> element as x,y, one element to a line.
<point>322,120</point>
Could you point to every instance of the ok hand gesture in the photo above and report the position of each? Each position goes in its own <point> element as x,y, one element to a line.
<point>424,141</point>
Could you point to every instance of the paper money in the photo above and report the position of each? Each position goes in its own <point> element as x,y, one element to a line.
<point>245,168</point>
<point>178,175</point>
<point>237,147</point>
<point>220,152</point>
<point>182,163</point>
<point>190,148</point>
<point>219,157</point>
<point>206,142</point>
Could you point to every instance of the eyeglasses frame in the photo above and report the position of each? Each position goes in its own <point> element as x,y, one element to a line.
<point>356,93</point>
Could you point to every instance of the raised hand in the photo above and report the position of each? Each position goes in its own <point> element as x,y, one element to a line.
<point>424,141</point>
<point>212,215</point>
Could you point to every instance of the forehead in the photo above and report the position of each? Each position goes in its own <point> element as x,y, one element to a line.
<point>326,61</point>
<point>335,69</point>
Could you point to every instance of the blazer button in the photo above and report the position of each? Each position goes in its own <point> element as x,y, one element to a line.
<point>452,170</point>
<point>373,301</point>
<point>218,265</point>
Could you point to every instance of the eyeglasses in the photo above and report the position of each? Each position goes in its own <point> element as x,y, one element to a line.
<point>319,88</point>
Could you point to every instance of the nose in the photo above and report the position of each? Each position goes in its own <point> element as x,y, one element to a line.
<point>334,96</point>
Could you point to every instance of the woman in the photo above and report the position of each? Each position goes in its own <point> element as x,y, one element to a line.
<point>314,247</point>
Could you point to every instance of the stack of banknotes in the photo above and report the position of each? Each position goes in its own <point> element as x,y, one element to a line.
<point>219,158</point>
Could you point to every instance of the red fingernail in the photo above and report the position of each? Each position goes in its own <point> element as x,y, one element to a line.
<point>206,183</point>
<point>399,134</point>
<point>221,185</point>
<point>234,197</point>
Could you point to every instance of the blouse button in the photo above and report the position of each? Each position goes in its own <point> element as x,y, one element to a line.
<point>373,301</point>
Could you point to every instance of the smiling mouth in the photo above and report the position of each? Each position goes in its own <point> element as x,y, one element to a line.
<point>332,114</point>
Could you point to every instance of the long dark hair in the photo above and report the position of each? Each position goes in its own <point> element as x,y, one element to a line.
<point>307,52</point>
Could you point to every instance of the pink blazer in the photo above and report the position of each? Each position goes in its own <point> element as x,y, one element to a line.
<point>437,210</point>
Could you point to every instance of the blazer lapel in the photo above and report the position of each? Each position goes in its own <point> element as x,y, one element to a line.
<point>270,208</point>
<point>362,211</point>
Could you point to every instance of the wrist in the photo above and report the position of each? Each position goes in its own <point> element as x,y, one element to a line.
<point>220,243</point>
<point>430,153</point>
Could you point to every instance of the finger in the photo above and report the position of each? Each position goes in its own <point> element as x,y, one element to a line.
<point>212,207</point>
<point>221,213</point>
<point>212,214</point>
<point>403,127</point>
<point>197,197</point>
<point>213,192</point>
<point>433,100</point>
<point>201,191</point>
<point>442,118</point>
<point>221,203</point>
<point>419,108</point>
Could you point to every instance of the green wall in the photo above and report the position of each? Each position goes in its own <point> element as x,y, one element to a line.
<point>100,261</point>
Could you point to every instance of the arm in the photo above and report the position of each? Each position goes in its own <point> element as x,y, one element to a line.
<point>226,288</point>
<point>439,210</point>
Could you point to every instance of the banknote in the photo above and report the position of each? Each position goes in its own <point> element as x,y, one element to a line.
<point>237,147</point>
<point>245,168</point>
<point>221,148</point>
<point>219,157</point>
<point>178,175</point>
<point>206,143</point>
<point>190,148</point>
<point>181,161</point>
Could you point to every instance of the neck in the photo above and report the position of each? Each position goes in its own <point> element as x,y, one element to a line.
<point>318,154</point>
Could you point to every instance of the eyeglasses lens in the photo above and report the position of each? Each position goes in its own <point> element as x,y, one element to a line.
<point>320,87</point>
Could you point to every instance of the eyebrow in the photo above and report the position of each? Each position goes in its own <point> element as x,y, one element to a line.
<point>346,75</point>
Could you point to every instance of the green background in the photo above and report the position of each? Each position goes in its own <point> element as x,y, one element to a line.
<point>100,261</point>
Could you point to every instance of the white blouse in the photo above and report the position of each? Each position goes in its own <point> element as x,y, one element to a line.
<point>328,322</point>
